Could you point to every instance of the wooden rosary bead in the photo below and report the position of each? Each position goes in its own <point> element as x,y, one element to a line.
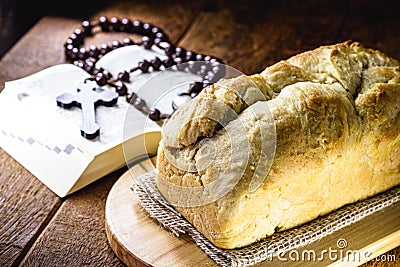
<point>180,52</point>
<point>130,96</point>
<point>194,66</point>
<point>203,70</point>
<point>168,63</point>
<point>144,65</point>
<point>126,25</point>
<point>190,56</point>
<point>161,36</point>
<point>115,44</point>
<point>128,41</point>
<point>179,64</point>
<point>147,42</point>
<point>104,24</point>
<point>88,66</point>
<point>214,60</point>
<point>147,28</point>
<point>74,53</point>
<point>82,54</point>
<point>195,87</point>
<point>199,57</point>
<point>154,31</point>
<point>121,89</point>
<point>97,70</point>
<point>78,36</point>
<point>93,51</point>
<point>157,41</point>
<point>75,40</point>
<point>78,63</point>
<point>169,50</point>
<point>78,32</point>
<point>68,50</point>
<point>155,114</point>
<point>68,42</point>
<point>156,63</point>
<point>107,74</point>
<point>123,76</point>
<point>87,28</point>
<point>210,77</point>
<point>207,58</point>
<point>101,79</point>
<point>115,24</point>
<point>104,49</point>
<point>219,71</point>
<point>137,26</point>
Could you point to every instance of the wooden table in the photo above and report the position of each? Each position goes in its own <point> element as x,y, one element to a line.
<point>37,228</point>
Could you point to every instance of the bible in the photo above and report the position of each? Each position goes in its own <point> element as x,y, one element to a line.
<point>69,146</point>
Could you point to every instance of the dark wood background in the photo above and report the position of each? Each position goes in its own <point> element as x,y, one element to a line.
<point>37,228</point>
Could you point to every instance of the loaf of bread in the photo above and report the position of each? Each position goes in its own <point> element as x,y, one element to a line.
<point>252,155</point>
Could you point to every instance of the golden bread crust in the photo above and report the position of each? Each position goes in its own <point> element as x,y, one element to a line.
<point>335,114</point>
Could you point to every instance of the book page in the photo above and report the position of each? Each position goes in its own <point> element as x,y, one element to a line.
<point>46,139</point>
<point>42,150</point>
<point>42,89</point>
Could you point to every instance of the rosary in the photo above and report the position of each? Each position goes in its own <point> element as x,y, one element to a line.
<point>209,68</point>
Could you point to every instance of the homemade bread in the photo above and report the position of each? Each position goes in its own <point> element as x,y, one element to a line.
<point>306,136</point>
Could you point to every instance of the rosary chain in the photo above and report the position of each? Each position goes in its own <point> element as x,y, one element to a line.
<point>211,69</point>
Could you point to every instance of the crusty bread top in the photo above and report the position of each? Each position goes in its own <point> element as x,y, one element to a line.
<point>348,64</point>
<point>319,102</point>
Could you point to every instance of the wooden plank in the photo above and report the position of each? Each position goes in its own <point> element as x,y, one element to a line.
<point>14,21</point>
<point>26,206</point>
<point>76,234</point>
<point>251,35</point>
<point>43,45</point>
<point>133,235</point>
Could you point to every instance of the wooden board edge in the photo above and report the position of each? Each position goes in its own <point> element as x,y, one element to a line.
<point>370,252</point>
<point>119,248</point>
<point>121,251</point>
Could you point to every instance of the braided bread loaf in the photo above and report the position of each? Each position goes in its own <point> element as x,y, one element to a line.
<point>256,154</point>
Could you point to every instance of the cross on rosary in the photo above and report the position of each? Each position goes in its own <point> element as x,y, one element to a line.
<point>209,68</point>
<point>87,98</point>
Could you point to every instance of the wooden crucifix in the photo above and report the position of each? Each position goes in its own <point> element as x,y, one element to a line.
<point>88,99</point>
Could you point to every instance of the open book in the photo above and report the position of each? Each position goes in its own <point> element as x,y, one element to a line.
<point>46,139</point>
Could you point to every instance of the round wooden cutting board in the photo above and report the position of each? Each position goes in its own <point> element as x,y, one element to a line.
<point>136,239</point>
